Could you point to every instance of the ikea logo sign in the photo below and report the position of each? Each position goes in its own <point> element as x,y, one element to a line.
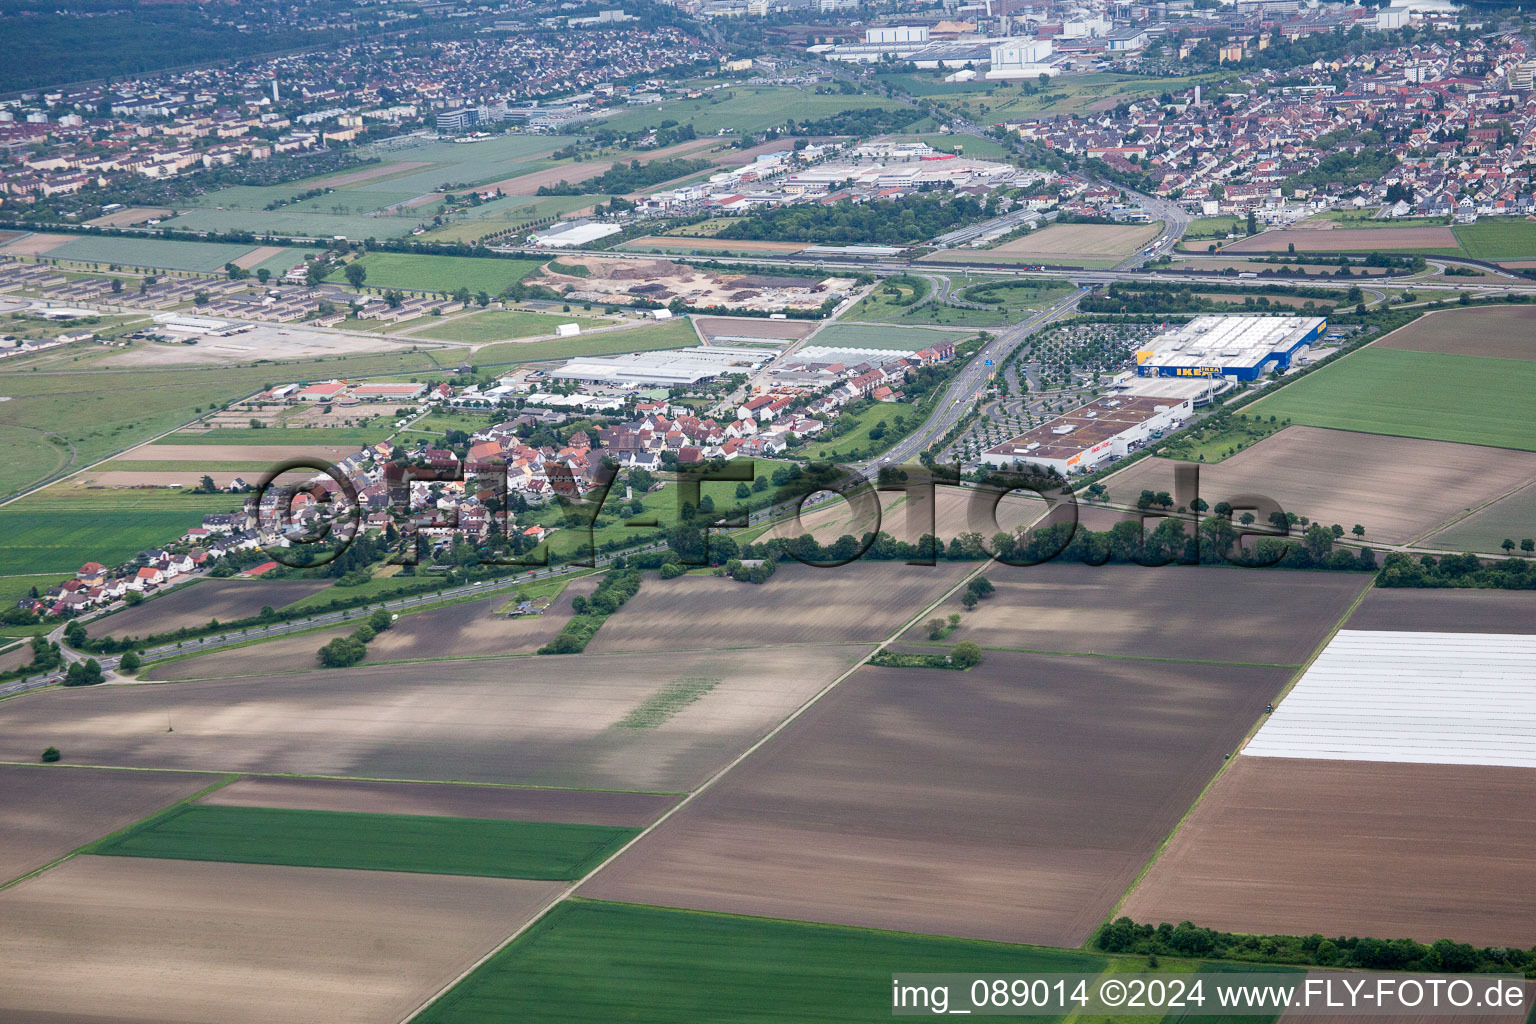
<point>1198,371</point>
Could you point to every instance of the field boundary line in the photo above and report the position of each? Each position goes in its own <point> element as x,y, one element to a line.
<point>1428,534</point>
<point>1221,771</point>
<point>131,826</point>
<point>709,783</point>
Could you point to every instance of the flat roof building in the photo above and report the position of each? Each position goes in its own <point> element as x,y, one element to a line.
<point>1086,437</point>
<point>663,368</point>
<point>373,392</point>
<point>1239,347</point>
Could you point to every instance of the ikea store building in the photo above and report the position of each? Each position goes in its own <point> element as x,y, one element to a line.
<point>1237,347</point>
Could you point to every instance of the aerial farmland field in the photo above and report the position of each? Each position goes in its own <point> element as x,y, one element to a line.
<point>427,844</point>
<point>499,325</point>
<point>1267,616</point>
<point>577,806</point>
<point>193,604</point>
<point>675,333</point>
<point>47,812</point>
<point>1039,782</point>
<point>1295,847</point>
<point>271,942</point>
<point>1501,332</point>
<point>443,273</point>
<point>546,721</point>
<point>1405,393</point>
<point>1349,240</point>
<point>863,601</point>
<point>1398,488</point>
<point>655,966</point>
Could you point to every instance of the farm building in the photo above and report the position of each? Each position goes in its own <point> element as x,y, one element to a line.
<point>1080,440</point>
<point>386,392</point>
<point>1240,347</point>
<point>321,392</point>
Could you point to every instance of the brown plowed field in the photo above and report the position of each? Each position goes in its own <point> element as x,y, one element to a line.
<point>270,657</point>
<point>471,630</point>
<point>475,629</point>
<point>132,939</point>
<point>753,327</point>
<point>1292,847</point>
<point>48,810</point>
<point>1507,332</point>
<point>1204,613</point>
<point>193,604</point>
<point>258,256</point>
<point>951,516</point>
<point>138,215</point>
<point>541,721</point>
<point>35,244</point>
<point>863,601</point>
<point>187,478</point>
<point>1398,488</point>
<point>577,806</point>
<point>1064,242</point>
<point>1015,801</point>
<point>1447,611</point>
<point>1347,240</point>
<point>195,454</point>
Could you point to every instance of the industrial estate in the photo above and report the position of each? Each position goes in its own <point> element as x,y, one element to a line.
<point>738,510</point>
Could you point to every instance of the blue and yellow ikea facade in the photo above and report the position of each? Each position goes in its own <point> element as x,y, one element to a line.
<point>1201,348</point>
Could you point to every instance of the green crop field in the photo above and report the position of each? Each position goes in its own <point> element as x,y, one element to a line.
<point>1498,238</point>
<point>442,273</point>
<point>1510,518</point>
<point>1470,399</point>
<point>499,325</point>
<point>64,539</point>
<point>291,223</point>
<point>99,413</point>
<point>604,962</point>
<point>678,333</point>
<point>893,338</point>
<point>742,109</point>
<point>375,842</point>
<point>154,253</point>
<point>1068,94</point>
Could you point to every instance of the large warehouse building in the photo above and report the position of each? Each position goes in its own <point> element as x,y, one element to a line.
<point>1239,347</point>
<point>1082,439</point>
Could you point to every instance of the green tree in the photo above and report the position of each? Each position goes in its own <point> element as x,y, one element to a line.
<point>83,673</point>
<point>355,273</point>
<point>965,655</point>
<point>129,663</point>
<point>51,755</point>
